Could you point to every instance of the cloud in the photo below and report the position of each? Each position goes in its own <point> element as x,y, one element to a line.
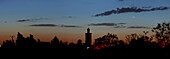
<point>53,25</point>
<point>45,25</point>
<point>120,0</point>
<point>106,24</point>
<point>102,24</point>
<point>67,17</point>
<point>121,23</point>
<point>24,20</point>
<point>31,20</point>
<point>139,27</point>
<point>132,9</point>
<point>133,27</point>
<point>70,26</point>
<point>120,26</point>
<point>147,7</point>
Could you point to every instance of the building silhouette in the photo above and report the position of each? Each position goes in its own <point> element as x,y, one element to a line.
<point>55,42</point>
<point>88,38</point>
<point>43,44</point>
<point>28,42</point>
<point>8,44</point>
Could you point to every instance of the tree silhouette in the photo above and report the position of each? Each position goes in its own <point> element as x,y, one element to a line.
<point>131,37</point>
<point>139,41</point>
<point>79,42</point>
<point>106,41</point>
<point>162,31</point>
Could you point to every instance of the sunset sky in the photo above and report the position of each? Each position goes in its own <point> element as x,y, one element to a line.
<point>69,19</point>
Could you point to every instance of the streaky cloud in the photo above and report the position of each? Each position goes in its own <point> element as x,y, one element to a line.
<point>102,24</point>
<point>31,20</point>
<point>120,0</point>
<point>147,7</point>
<point>120,26</point>
<point>133,27</point>
<point>121,23</point>
<point>70,26</point>
<point>23,20</point>
<point>139,27</point>
<point>53,25</point>
<point>106,24</point>
<point>130,9</point>
<point>68,17</point>
<point>45,25</point>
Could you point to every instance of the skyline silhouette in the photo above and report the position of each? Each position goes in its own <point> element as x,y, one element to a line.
<point>62,18</point>
<point>161,36</point>
<point>103,46</point>
<point>86,27</point>
<point>88,36</point>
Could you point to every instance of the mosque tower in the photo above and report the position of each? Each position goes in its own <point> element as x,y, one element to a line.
<point>88,38</point>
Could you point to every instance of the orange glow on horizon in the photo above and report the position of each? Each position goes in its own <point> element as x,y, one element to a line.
<point>68,38</point>
<point>68,35</point>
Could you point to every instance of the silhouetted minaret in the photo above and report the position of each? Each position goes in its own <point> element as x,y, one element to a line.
<point>88,38</point>
<point>88,30</point>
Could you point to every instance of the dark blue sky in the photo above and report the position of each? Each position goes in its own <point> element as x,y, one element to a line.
<point>72,17</point>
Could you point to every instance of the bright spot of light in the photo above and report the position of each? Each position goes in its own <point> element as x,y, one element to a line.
<point>88,47</point>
